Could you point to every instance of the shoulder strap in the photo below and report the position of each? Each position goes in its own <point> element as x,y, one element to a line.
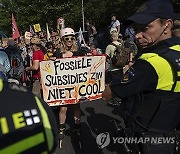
<point>112,23</point>
<point>114,44</point>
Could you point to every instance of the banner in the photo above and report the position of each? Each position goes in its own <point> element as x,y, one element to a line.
<point>15,30</point>
<point>48,33</point>
<point>37,28</point>
<point>68,80</point>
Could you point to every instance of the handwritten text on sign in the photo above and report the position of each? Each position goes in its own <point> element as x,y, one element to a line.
<point>67,80</point>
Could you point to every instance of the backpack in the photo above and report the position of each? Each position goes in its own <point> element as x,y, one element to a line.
<point>133,47</point>
<point>17,67</point>
<point>121,55</point>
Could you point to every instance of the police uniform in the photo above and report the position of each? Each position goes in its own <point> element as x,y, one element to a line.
<point>27,124</point>
<point>155,79</point>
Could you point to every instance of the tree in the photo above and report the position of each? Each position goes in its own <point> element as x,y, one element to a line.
<point>29,12</point>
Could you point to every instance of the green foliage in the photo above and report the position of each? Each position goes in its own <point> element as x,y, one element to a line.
<point>29,12</point>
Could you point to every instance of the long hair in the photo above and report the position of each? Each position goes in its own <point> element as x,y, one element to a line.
<point>63,47</point>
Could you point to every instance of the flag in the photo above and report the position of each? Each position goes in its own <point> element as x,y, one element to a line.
<point>37,27</point>
<point>48,34</point>
<point>80,36</point>
<point>31,31</point>
<point>15,30</point>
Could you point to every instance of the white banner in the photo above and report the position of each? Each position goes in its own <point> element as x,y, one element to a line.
<point>68,80</point>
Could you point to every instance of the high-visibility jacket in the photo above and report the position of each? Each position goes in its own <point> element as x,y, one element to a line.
<point>160,108</point>
<point>27,124</point>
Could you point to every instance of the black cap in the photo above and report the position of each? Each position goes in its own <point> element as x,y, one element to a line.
<point>151,10</point>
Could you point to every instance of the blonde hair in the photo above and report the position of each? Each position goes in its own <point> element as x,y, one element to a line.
<point>64,49</point>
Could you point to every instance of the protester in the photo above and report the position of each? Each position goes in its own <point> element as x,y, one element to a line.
<point>152,79</point>
<point>49,50</point>
<point>94,50</point>
<point>112,71</point>
<point>4,64</point>
<point>129,33</point>
<point>27,123</point>
<point>16,62</point>
<point>91,30</point>
<point>68,49</point>
<point>115,24</point>
<point>38,56</point>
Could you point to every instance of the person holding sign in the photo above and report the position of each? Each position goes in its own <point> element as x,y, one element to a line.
<point>68,49</point>
<point>38,56</point>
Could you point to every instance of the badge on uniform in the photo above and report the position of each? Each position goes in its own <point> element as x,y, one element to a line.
<point>128,76</point>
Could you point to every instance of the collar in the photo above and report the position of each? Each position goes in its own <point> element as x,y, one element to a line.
<point>163,44</point>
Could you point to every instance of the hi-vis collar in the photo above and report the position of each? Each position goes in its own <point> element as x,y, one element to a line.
<point>1,85</point>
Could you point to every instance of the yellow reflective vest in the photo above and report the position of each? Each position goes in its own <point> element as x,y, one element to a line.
<point>159,111</point>
<point>165,69</point>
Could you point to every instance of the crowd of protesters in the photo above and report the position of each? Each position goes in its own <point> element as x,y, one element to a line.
<point>20,61</point>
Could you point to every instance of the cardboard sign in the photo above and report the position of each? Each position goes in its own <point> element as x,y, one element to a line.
<point>37,28</point>
<point>69,80</point>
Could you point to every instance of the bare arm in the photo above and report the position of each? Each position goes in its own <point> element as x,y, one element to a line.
<point>34,67</point>
<point>118,29</point>
<point>94,30</point>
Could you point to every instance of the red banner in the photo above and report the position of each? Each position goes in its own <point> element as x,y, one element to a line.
<point>15,30</point>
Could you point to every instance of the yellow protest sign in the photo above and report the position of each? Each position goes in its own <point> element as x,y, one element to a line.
<point>37,28</point>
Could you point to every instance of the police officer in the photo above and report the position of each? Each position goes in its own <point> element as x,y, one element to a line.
<point>27,124</point>
<point>154,78</point>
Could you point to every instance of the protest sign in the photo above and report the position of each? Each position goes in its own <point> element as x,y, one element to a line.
<point>37,28</point>
<point>68,80</point>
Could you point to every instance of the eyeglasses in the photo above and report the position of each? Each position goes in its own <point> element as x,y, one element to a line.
<point>69,38</point>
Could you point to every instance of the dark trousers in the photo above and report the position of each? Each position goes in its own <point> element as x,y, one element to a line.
<point>158,147</point>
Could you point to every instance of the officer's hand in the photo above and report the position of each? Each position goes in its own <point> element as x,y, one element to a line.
<point>107,93</point>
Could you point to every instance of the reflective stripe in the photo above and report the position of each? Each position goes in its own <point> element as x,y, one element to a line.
<point>163,70</point>
<point>46,124</point>
<point>1,85</point>
<point>175,47</point>
<point>177,88</point>
<point>24,144</point>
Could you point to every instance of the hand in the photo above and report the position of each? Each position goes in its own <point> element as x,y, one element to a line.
<point>27,69</point>
<point>107,93</point>
<point>89,54</point>
<point>52,58</point>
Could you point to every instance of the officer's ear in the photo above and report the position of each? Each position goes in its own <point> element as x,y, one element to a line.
<point>169,24</point>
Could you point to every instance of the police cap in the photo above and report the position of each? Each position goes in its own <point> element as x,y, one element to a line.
<point>151,10</point>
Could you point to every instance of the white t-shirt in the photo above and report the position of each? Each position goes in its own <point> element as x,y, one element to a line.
<point>114,25</point>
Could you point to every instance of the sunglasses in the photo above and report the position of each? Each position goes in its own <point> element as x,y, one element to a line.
<point>69,38</point>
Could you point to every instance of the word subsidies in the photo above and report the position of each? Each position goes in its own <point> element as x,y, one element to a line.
<point>73,78</point>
